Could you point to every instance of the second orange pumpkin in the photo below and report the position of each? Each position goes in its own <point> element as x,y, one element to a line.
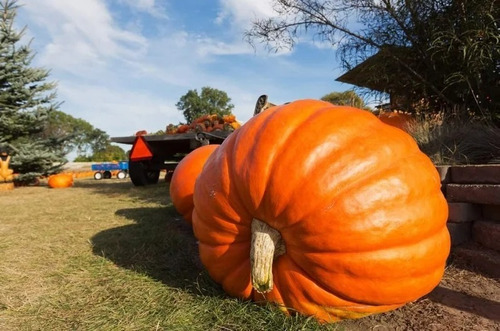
<point>184,177</point>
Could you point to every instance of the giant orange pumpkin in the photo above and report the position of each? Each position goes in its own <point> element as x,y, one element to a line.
<point>324,210</point>
<point>61,180</point>
<point>183,178</point>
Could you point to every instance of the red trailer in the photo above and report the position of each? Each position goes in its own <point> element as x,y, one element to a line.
<point>152,153</point>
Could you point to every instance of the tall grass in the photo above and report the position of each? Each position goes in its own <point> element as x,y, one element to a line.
<point>455,140</point>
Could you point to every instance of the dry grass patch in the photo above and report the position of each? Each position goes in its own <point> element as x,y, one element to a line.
<point>105,255</point>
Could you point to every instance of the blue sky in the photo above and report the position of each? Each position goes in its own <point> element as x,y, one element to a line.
<point>122,65</point>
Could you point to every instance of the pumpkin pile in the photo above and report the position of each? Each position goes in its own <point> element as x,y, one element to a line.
<point>323,210</point>
<point>206,123</point>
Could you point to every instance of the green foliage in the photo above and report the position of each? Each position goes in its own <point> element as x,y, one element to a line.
<point>346,98</point>
<point>210,101</point>
<point>108,154</point>
<point>33,159</point>
<point>159,132</point>
<point>83,158</point>
<point>78,134</point>
<point>466,50</point>
<point>26,101</point>
<point>446,52</point>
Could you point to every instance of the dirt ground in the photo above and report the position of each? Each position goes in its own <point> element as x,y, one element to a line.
<point>464,300</point>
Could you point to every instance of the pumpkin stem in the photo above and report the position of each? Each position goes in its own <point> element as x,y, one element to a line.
<point>267,245</point>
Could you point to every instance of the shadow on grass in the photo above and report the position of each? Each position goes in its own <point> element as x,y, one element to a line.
<point>160,245</point>
<point>158,193</point>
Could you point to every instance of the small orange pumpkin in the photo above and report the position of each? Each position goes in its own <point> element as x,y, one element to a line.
<point>397,119</point>
<point>323,210</point>
<point>60,180</point>
<point>184,177</point>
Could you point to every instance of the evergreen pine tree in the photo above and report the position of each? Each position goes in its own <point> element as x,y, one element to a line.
<point>26,100</point>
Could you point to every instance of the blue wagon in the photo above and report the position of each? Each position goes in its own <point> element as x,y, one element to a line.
<point>105,169</point>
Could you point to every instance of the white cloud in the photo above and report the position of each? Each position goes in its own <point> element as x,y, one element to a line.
<point>209,46</point>
<point>152,7</point>
<point>113,109</point>
<point>81,34</point>
<point>121,80</point>
<point>243,12</point>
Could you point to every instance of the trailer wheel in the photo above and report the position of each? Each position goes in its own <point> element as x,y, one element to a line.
<point>107,174</point>
<point>98,175</point>
<point>121,175</point>
<point>140,175</point>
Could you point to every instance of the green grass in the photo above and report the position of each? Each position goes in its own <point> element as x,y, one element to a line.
<point>105,255</point>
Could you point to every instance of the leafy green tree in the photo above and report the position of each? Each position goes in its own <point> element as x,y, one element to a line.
<point>26,100</point>
<point>109,153</point>
<point>209,101</point>
<point>346,98</point>
<point>445,51</point>
<point>79,135</point>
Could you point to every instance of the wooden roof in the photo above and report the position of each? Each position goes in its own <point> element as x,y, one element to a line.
<point>378,71</point>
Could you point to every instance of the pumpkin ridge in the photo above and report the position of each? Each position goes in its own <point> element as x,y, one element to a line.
<point>292,247</point>
<point>231,169</point>
<point>218,272</point>
<point>292,297</point>
<point>319,284</point>
<point>351,185</point>
<point>434,237</point>
<point>241,135</point>
<point>427,190</point>
<point>204,228</point>
<point>305,178</point>
<point>428,270</point>
<point>279,147</point>
<point>371,122</point>
<point>381,244</point>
